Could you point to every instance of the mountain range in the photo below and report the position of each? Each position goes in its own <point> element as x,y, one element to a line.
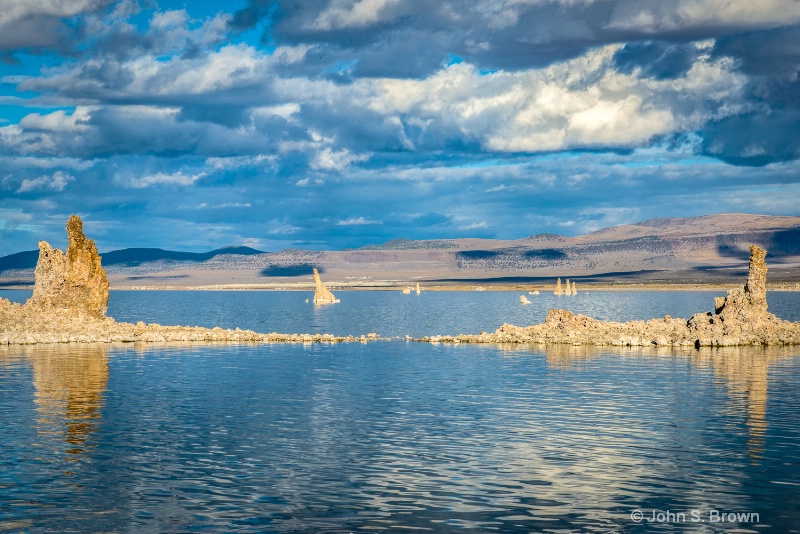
<point>697,250</point>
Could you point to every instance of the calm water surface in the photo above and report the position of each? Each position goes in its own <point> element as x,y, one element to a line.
<point>390,313</point>
<point>396,436</point>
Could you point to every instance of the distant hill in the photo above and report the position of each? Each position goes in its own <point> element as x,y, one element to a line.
<point>20,260</point>
<point>129,257</point>
<point>706,249</point>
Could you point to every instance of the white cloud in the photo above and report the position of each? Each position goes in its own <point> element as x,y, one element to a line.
<point>13,10</point>
<point>226,205</point>
<point>13,219</point>
<point>349,14</point>
<point>236,162</point>
<point>176,179</point>
<point>46,163</point>
<point>59,121</point>
<point>659,16</point>
<point>357,221</point>
<point>333,160</point>
<point>229,67</point>
<point>55,182</point>
<point>282,228</point>
<point>305,182</point>
<point>483,225</point>
<point>583,102</point>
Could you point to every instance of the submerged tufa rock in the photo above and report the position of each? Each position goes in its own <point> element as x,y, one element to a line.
<point>75,280</point>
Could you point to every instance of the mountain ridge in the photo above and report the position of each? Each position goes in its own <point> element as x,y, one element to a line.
<point>698,249</point>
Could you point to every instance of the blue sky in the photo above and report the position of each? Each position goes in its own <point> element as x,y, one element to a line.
<point>340,123</point>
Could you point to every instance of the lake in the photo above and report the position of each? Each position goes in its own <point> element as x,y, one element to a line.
<point>395,435</point>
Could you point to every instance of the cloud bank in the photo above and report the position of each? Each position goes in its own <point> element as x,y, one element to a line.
<point>339,123</point>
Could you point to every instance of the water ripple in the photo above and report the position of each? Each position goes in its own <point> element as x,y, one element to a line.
<point>395,436</point>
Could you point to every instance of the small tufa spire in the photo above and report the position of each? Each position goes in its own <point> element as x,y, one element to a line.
<point>321,294</point>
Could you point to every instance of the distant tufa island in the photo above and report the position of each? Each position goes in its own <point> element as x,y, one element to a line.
<point>741,318</point>
<point>70,299</point>
<point>713,249</point>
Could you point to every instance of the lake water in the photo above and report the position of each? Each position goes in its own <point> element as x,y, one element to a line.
<point>398,436</point>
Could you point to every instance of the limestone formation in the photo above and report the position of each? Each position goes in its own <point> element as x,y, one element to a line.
<point>524,300</point>
<point>574,289</point>
<point>417,288</point>
<point>567,288</point>
<point>406,291</point>
<point>70,298</point>
<point>321,294</point>
<point>558,290</point>
<point>74,281</point>
<point>741,319</point>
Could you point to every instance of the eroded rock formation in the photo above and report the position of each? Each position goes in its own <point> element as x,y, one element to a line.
<point>321,294</point>
<point>741,319</point>
<point>73,281</point>
<point>71,296</point>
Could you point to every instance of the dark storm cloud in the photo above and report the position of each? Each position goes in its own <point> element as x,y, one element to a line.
<point>771,132</point>
<point>657,59</point>
<point>42,25</point>
<point>387,36</point>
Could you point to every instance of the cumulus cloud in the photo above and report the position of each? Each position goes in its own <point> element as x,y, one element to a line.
<point>54,182</point>
<point>343,14</point>
<point>654,16</point>
<point>160,178</point>
<point>577,104</point>
<point>332,160</point>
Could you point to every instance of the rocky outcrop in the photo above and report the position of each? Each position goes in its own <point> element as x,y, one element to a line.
<point>524,300</point>
<point>74,281</point>
<point>741,319</point>
<point>321,294</point>
<point>558,290</point>
<point>71,296</point>
<point>574,289</point>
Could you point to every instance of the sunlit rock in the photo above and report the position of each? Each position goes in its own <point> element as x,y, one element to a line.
<point>74,281</point>
<point>321,294</point>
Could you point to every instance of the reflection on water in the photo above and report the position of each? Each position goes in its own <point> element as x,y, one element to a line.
<point>743,370</point>
<point>389,436</point>
<point>69,387</point>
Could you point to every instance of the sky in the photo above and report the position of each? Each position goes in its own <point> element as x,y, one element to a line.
<point>330,124</point>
